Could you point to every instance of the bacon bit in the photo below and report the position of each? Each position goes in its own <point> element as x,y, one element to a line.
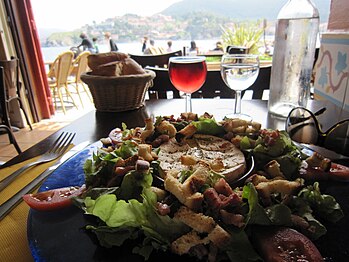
<point>269,136</point>
<point>163,209</point>
<point>222,187</point>
<point>231,200</point>
<point>218,201</point>
<point>213,199</point>
<point>232,219</point>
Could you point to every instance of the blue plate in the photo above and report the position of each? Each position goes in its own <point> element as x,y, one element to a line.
<point>61,236</point>
<point>49,233</point>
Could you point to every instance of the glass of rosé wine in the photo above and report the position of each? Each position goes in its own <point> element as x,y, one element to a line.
<point>187,74</point>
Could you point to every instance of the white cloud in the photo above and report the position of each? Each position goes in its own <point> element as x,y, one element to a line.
<point>72,14</point>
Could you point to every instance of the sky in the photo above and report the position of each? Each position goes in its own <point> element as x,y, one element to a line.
<point>72,14</point>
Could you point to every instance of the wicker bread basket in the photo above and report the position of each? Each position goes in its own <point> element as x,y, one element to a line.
<point>118,93</point>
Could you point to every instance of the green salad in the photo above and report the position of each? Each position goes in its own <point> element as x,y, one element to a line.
<point>195,211</point>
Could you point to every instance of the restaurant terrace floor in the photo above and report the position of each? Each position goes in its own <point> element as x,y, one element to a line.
<point>26,138</point>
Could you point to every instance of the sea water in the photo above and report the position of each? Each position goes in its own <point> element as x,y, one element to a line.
<point>50,53</point>
<point>293,59</point>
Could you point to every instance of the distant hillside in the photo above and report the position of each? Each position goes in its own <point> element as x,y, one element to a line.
<point>237,9</point>
<point>188,19</point>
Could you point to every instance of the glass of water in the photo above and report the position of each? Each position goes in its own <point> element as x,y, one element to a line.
<point>239,72</point>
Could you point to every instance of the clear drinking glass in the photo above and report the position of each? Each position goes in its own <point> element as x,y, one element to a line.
<point>239,72</point>
<point>187,74</point>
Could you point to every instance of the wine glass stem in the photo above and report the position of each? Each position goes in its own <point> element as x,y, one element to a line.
<point>237,109</point>
<point>187,102</point>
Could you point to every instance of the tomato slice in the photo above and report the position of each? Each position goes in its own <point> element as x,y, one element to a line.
<point>280,244</point>
<point>337,172</point>
<point>53,199</point>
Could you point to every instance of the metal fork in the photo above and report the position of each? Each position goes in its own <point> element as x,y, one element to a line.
<point>58,148</point>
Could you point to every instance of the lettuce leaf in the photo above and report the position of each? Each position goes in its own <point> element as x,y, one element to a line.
<point>278,214</point>
<point>240,248</point>
<point>133,184</point>
<point>131,217</point>
<point>325,206</point>
<point>127,149</point>
<point>208,126</point>
<point>283,151</point>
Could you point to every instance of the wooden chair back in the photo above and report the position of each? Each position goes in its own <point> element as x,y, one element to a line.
<point>12,84</point>
<point>155,60</point>
<point>5,123</point>
<point>79,65</point>
<point>61,68</point>
<point>58,77</point>
<point>11,76</point>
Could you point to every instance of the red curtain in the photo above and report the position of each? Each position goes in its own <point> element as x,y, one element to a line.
<point>29,46</point>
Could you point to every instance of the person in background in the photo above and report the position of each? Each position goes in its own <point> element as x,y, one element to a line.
<point>95,45</point>
<point>193,50</point>
<point>113,46</point>
<point>169,46</point>
<point>151,50</point>
<point>86,44</point>
<point>219,47</point>
<point>144,44</point>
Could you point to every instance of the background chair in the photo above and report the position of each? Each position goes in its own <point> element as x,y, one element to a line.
<point>214,86</point>
<point>261,84</point>
<point>232,49</point>
<point>4,114</point>
<point>79,66</point>
<point>155,60</point>
<point>58,78</point>
<point>12,85</point>
<point>161,84</point>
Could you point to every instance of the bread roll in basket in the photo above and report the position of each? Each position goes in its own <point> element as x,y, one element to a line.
<point>117,85</point>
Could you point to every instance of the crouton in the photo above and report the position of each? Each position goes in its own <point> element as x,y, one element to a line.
<point>273,169</point>
<point>144,151</point>
<point>148,129</point>
<point>185,133</point>
<point>188,160</point>
<point>165,127</point>
<point>193,183</point>
<point>184,243</point>
<point>265,189</point>
<point>194,201</point>
<point>197,221</point>
<point>172,185</point>
<point>218,236</point>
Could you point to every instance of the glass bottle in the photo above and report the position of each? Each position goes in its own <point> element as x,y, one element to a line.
<point>294,50</point>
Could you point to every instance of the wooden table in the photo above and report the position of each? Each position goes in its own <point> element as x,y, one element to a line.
<point>95,125</point>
